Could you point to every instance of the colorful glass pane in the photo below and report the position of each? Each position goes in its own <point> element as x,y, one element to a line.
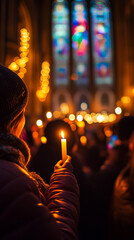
<point>60,36</point>
<point>101,42</point>
<point>80,53</point>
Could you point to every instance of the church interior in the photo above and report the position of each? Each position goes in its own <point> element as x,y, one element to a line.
<point>75,56</point>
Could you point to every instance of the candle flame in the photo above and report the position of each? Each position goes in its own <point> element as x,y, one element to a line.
<point>62,134</point>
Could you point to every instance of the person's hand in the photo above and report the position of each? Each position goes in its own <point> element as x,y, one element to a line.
<point>67,164</point>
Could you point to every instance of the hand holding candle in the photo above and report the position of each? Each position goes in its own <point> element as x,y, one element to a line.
<point>63,147</point>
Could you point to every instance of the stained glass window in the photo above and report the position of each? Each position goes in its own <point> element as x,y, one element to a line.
<point>80,53</point>
<point>101,42</point>
<point>77,64</point>
<point>60,36</point>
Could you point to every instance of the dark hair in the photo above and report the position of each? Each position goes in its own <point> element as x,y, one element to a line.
<point>13,96</point>
<point>14,123</point>
<point>53,132</point>
<point>125,127</point>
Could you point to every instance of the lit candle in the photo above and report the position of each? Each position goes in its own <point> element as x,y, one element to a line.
<point>63,147</point>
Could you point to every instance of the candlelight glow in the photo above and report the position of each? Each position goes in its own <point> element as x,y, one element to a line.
<point>62,134</point>
<point>63,147</point>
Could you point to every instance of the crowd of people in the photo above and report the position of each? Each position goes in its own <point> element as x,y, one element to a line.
<point>89,196</point>
<point>96,166</point>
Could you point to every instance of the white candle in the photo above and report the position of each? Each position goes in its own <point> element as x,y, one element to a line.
<point>63,147</point>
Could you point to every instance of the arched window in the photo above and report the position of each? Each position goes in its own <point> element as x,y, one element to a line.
<point>101,42</point>
<point>61,38</point>
<point>80,39</point>
<point>70,24</point>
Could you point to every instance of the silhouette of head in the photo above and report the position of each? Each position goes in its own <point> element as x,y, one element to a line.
<point>125,127</point>
<point>13,100</point>
<point>53,133</point>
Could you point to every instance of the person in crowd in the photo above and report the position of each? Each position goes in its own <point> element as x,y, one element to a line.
<point>30,208</point>
<point>52,149</point>
<point>45,166</point>
<point>122,210</point>
<point>99,176</point>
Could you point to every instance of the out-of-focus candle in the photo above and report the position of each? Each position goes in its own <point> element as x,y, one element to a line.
<point>63,147</point>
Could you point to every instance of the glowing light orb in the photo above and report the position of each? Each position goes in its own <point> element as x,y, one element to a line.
<point>83,140</point>
<point>48,115</point>
<point>83,106</point>
<point>79,118</point>
<point>71,117</point>
<point>118,110</point>
<point>39,123</point>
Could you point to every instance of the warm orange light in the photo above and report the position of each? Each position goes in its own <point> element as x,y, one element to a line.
<point>13,66</point>
<point>63,147</point>
<point>125,100</point>
<point>43,139</point>
<point>83,140</point>
<point>56,114</point>
<point>81,124</point>
<point>73,127</point>
<point>40,94</point>
<point>112,117</point>
<point>20,62</point>
<point>48,115</point>
<point>21,74</point>
<point>64,108</point>
<point>133,91</point>
<point>71,117</point>
<point>62,134</point>
<point>35,134</point>
<point>44,79</point>
<point>108,132</point>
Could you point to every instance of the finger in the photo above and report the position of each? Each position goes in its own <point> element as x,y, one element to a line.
<point>68,159</point>
<point>59,164</point>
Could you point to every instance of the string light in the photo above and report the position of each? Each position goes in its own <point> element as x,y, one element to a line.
<point>118,110</point>
<point>71,117</point>
<point>44,82</point>
<point>39,123</point>
<point>19,63</point>
<point>49,115</point>
<point>79,118</point>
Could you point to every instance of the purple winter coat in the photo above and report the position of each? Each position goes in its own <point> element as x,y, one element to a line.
<point>25,213</point>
